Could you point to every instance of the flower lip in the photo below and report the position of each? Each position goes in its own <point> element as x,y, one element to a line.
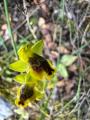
<point>39,64</point>
<point>21,102</point>
<point>25,94</point>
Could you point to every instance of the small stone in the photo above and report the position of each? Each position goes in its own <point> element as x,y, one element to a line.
<point>54,54</point>
<point>52,45</point>
<point>41,22</point>
<point>4,27</point>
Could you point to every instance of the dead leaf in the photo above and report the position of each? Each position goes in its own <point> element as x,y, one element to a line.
<point>73,68</point>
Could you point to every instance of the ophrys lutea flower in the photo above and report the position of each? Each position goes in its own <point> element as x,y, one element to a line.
<point>31,61</point>
<point>27,94</point>
<point>34,69</point>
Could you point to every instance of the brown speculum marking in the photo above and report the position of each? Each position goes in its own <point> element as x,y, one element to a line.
<point>39,64</point>
<point>25,93</point>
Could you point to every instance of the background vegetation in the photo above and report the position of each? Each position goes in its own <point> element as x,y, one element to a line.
<point>64,26</point>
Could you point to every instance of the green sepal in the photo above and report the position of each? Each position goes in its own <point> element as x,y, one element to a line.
<point>38,47</point>
<point>18,66</point>
<point>20,78</point>
<point>30,80</point>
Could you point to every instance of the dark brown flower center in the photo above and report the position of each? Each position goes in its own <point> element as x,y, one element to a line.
<point>39,64</point>
<point>25,93</point>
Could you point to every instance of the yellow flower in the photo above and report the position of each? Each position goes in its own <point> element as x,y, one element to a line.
<point>31,61</point>
<point>27,94</point>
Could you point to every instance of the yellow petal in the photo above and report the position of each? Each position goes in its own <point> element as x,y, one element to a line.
<point>25,52</point>
<point>17,101</point>
<point>36,75</point>
<point>53,70</point>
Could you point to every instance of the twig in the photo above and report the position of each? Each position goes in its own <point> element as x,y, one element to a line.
<point>85,32</point>
<point>23,22</point>
<point>27,19</point>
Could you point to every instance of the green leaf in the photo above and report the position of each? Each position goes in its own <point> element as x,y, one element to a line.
<point>20,78</point>
<point>63,71</point>
<point>38,47</point>
<point>67,60</point>
<point>18,66</point>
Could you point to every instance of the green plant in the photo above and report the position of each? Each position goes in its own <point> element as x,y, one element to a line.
<point>65,61</point>
<point>34,70</point>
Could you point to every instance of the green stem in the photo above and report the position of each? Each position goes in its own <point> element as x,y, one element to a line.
<point>63,2</point>
<point>45,104</point>
<point>9,26</point>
